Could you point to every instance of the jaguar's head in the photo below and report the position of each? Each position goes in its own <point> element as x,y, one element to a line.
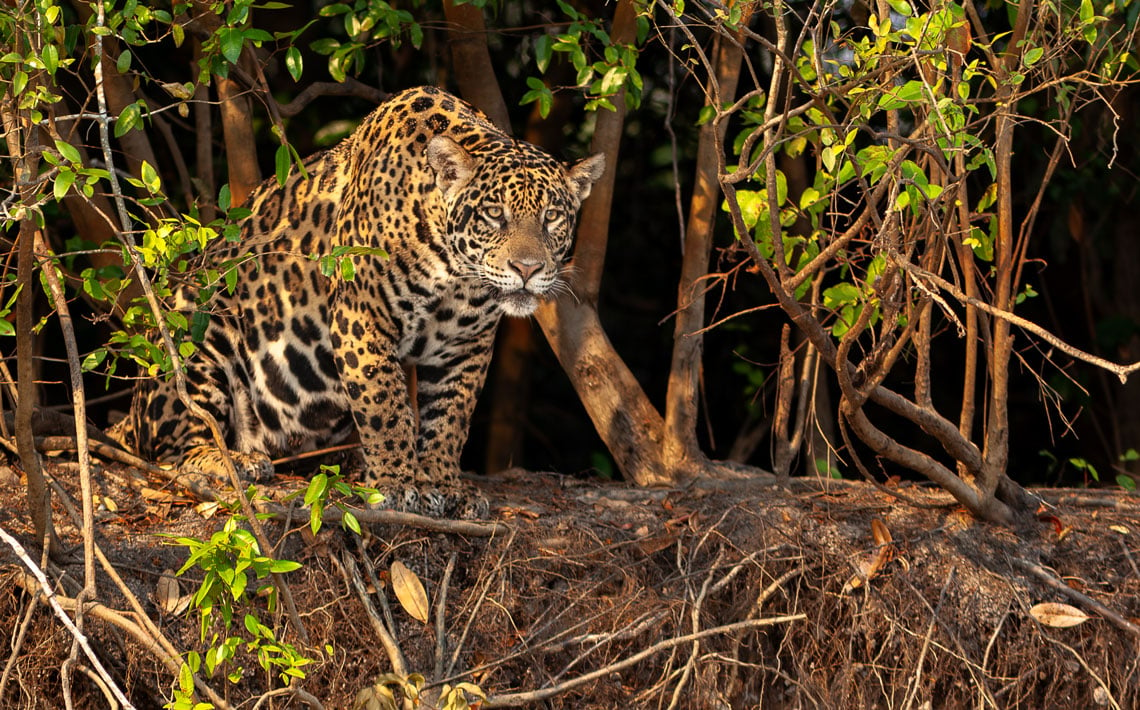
<point>511,210</point>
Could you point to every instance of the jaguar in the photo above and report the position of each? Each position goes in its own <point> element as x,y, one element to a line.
<point>449,224</point>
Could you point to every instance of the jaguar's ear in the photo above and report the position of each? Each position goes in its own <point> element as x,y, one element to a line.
<point>585,173</point>
<point>452,164</point>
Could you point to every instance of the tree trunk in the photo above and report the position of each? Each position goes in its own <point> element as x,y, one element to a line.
<point>681,405</point>
<point>471,62</point>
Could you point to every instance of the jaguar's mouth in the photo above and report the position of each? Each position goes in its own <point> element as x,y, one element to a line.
<point>519,303</point>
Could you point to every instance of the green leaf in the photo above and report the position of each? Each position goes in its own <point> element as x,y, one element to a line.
<point>1033,56</point>
<point>351,522</point>
<point>63,183</point>
<point>706,114</point>
<point>69,152</point>
<point>900,96</point>
<point>94,358</point>
<point>282,566</point>
<point>128,120</point>
<point>150,178</point>
<point>317,488</point>
<point>902,7</point>
<point>840,295</point>
<point>19,83</point>
<point>283,163</point>
<point>230,39</point>
<point>1126,482</point>
<point>123,63</point>
<point>347,269</point>
<point>809,197</point>
<point>543,50</point>
<point>1087,13</point>
<point>293,63</point>
<point>51,58</point>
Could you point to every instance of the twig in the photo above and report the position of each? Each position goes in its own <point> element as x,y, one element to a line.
<point>1051,580</point>
<point>395,656</point>
<point>94,678</point>
<point>314,454</point>
<point>296,692</point>
<point>17,644</point>
<point>440,613</point>
<point>775,585</point>
<point>478,605</point>
<point>1084,664</point>
<point>695,616</point>
<point>349,87</point>
<point>143,278</point>
<point>156,642</point>
<point>377,587</point>
<point>983,693</point>
<point>916,681</point>
<point>636,628</point>
<point>53,602</point>
<point>1121,371</point>
<point>534,696</point>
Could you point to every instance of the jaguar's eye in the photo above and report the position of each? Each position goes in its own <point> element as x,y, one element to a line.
<point>554,215</point>
<point>493,212</point>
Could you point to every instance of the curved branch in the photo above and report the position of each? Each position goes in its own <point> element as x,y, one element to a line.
<point>1121,371</point>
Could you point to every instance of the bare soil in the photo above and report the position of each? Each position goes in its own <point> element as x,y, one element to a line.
<point>788,597</point>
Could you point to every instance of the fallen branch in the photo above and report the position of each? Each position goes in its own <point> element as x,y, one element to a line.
<point>393,517</point>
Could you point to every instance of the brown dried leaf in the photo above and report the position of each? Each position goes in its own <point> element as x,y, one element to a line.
<point>168,594</point>
<point>1057,615</point>
<point>657,543</point>
<point>410,591</point>
<point>879,532</point>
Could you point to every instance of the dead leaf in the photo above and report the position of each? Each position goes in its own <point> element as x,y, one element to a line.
<point>1058,526</point>
<point>110,504</point>
<point>657,543</point>
<point>1119,528</point>
<point>1059,616</point>
<point>879,532</point>
<point>156,494</point>
<point>869,567</point>
<point>410,591</point>
<point>207,508</point>
<point>168,594</point>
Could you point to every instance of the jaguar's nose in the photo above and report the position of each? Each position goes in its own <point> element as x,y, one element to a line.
<point>525,267</point>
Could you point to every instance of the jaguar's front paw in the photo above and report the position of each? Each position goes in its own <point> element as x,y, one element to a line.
<point>208,462</point>
<point>461,500</point>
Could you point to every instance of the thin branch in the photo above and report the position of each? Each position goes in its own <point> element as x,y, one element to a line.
<point>54,602</point>
<point>391,647</point>
<point>517,699</point>
<point>349,87</point>
<point>1121,371</point>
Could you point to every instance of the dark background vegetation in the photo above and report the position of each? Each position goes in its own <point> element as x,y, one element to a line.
<point>1085,258</point>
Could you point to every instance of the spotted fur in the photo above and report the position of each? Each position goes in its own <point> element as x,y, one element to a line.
<point>475,223</point>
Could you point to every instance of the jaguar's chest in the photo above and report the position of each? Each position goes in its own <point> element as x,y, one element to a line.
<point>438,323</point>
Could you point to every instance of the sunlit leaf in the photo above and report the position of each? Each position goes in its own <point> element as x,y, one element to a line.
<point>409,591</point>
<point>1057,615</point>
